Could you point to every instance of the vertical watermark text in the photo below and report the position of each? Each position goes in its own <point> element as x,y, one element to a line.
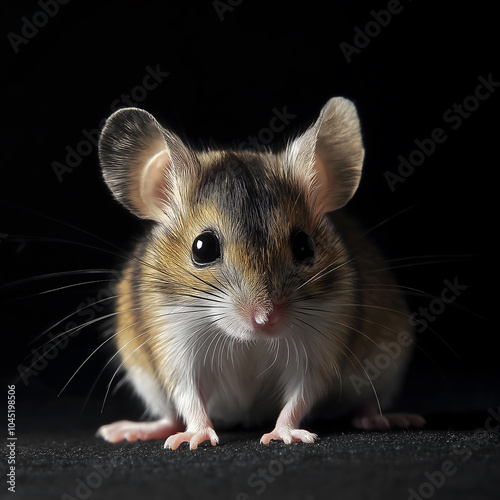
<point>11,438</point>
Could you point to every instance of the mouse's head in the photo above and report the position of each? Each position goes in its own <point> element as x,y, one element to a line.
<point>242,240</point>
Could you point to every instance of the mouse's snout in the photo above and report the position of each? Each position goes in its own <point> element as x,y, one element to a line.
<point>267,320</point>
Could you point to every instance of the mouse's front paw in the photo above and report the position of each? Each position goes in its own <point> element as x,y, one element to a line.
<point>289,435</point>
<point>194,438</point>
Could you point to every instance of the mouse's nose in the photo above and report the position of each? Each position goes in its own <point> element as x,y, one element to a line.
<point>267,319</point>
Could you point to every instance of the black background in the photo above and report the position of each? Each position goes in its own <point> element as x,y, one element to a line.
<point>225,78</point>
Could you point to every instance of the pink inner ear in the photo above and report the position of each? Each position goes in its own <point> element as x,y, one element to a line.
<point>156,190</point>
<point>322,195</point>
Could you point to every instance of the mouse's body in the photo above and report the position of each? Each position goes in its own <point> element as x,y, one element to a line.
<point>252,296</point>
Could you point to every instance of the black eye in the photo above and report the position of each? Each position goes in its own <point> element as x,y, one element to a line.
<point>303,248</point>
<point>206,248</point>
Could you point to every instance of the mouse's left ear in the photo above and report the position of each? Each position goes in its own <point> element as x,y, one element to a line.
<point>329,155</point>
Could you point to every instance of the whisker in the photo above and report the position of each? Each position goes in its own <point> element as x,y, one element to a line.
<point>120,366</point>
<point>287,351</point>
<point>213,297</point>
<point>297,359</point>
<point>446,344</point>
<point>347,326</point>
<point>55,275</point>
<point>386,220</point>
<point>90,322</point>
<point>275,346</point>
<point>110,360</point>
<point>422,260</point>
<point>225,345</point>
<point>216,335</point>
<point>63,223</point>
<point>220,337</point>
<point>211,285</point>
<point>322,274</point>
<point>46,239</point>
<point>117,251</point>
<point>354,356</point>
<point>57,339</point>
<point>52,290</point>
<point>89,357</point>
<point>45,332</point>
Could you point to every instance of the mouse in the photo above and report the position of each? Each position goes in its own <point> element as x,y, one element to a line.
<point>253,298</point>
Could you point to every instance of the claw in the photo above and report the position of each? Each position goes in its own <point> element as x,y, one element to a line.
<point>193,438</point>
<point>289,435</point>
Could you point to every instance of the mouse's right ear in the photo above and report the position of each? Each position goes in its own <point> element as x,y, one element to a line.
<point>330,155</point>
<point>138,159</point>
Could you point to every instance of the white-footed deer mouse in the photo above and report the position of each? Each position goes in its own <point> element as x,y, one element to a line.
<point>251,297</point>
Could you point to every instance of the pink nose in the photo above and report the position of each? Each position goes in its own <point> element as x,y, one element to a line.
<point>267,319</point>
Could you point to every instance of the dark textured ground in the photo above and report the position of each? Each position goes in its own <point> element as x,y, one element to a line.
<point>449,464</point>
<point>455,456</point>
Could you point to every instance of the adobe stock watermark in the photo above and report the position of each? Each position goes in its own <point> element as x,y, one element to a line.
<point>223,6</point>
<point>425,315</point>
<point>453,117</point>
<point>259,480</point>
<point>89,310</point>
<point>11,438</point>
<point>363,37</point>
<point>152,79</point>
<point>390,351</point>
<point>91,482</point>
<point>266,135</point>
<point>372,369</point>
<point>461,454</point>
<point>31,27</point>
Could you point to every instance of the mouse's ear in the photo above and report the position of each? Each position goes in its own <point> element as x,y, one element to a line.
<point>138,159</point>
<point>330,153</point>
